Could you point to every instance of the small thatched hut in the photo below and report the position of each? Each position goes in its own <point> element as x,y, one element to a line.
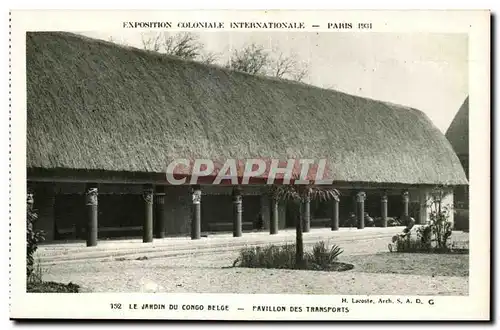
<point>458,135</point>
<point>103,121</point>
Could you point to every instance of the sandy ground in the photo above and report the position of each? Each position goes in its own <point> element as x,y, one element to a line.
<point>212,273</point>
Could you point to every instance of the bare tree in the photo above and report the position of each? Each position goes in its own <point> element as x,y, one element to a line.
<point>209,57</point>
<point>284,66</point>
<point>151,42</point>
<point>255,59</point>
<point>252,59</point>
<point>186,45</point>
<point>301,71</point>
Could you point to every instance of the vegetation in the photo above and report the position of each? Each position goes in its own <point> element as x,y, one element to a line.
<point>35,283</point>
<point>34,271</point>
<point>184,44</point>
<point>301,193</point>
<point>52,287</point>
<point>433,237</point>
<point>33,237</point>
<point>322,257</point>
<point>253,58</point>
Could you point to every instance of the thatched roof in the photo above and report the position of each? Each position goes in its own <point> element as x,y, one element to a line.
<point>458,132</point>
<point>95,105</point>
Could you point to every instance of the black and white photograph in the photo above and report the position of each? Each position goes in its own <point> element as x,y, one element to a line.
<point>251,157</point>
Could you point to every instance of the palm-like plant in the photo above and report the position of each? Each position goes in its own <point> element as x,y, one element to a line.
<point>301,193</point>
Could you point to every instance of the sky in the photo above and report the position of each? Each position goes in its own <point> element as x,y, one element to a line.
<point>425,71</point>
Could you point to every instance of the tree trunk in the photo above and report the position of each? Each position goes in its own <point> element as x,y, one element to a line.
<point>299,245</point>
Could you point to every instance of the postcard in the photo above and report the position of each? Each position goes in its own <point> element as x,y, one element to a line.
<point>250,165</point>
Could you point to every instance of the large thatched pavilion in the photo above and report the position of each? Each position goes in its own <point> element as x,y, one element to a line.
<point>104,120</point>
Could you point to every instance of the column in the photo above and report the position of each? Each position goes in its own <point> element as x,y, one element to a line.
<point>335,213</point>
<point>406,204</point>
<point>196,213</point>
<point>237,212</point>
<point>147,229</point>
<point>383,206</point>
<point>273,228</point>
<point>91,201</point>
<point>160,216</point>
<point>360,207</point>
<point>307,215</point>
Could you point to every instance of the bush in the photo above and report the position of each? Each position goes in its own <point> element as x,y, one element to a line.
<point>322,257</point>
<point>33,237</point>
<point>52,287</point>
<point>271,256</point>
<point>36,275</point>
<point>429,238</point>
<point>425,235</point>
<point>441,227</point>
<point>411,244</point>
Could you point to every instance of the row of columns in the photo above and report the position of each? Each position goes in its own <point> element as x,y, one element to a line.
<point>150,197</point>
<point>154,202</point>
<point>359,208</point>
<point>237,199</point>
<point>306,216</point>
